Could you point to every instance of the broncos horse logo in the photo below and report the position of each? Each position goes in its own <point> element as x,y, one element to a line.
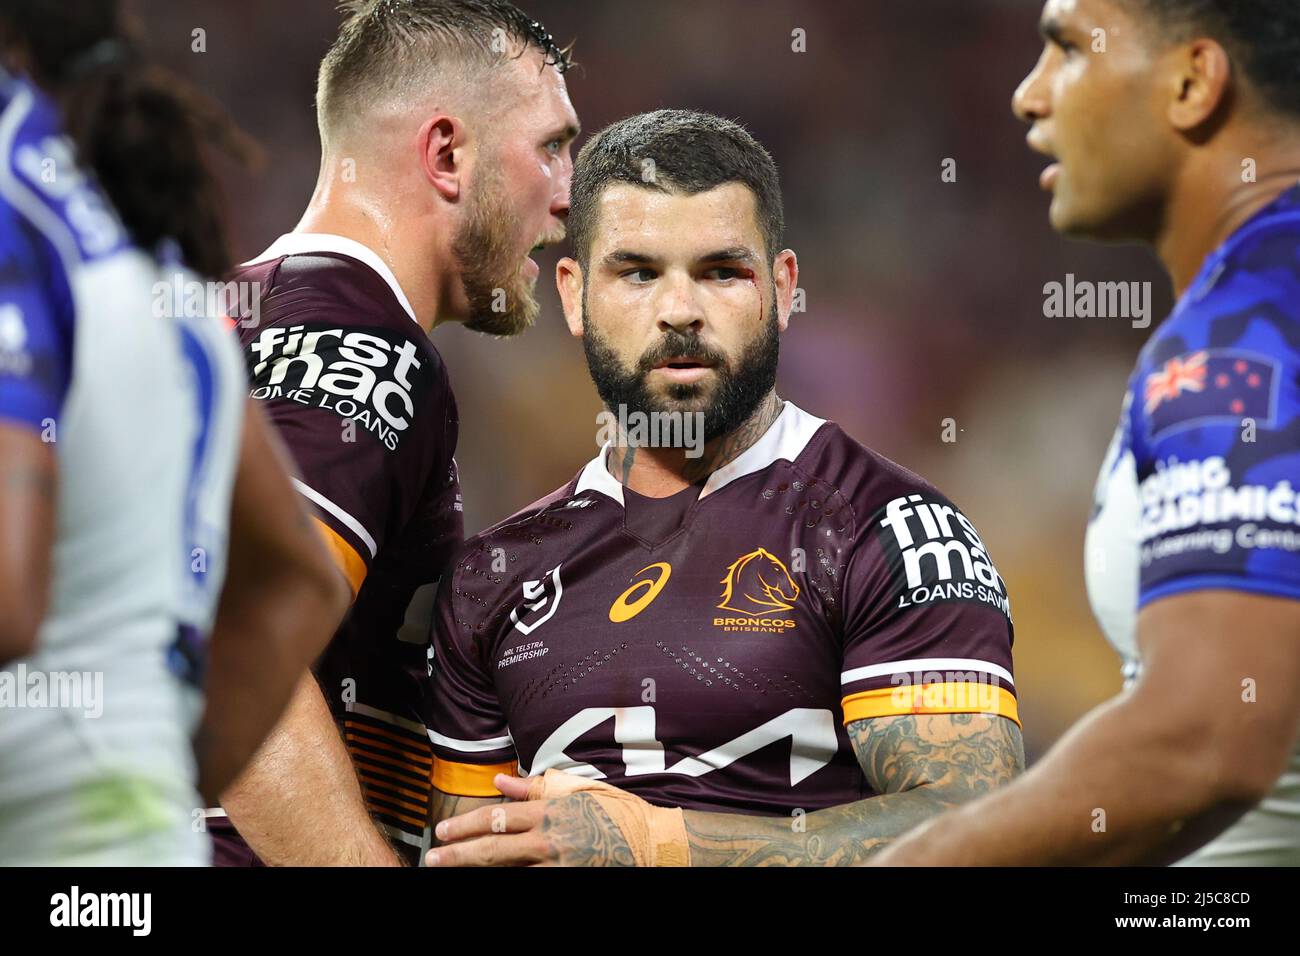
<point>758,584</point>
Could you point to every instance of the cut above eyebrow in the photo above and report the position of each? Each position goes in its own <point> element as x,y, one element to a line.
<point>734,254</point>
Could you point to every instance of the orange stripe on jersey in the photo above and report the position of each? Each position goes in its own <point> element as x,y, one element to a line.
<point>469,779</point>
<point>381,810</point>
<point>387,782</point>
<point>345,556</point>
<point>380,747</point>
<point>955,698</point>
<point>373,795</point>
<point>418,773</point>
<point>418,749</point>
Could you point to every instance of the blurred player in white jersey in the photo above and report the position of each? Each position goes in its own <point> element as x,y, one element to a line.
<point>124,453</point>
<point>1177,123</point>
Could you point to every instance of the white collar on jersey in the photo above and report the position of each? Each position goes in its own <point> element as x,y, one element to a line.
<point>784,439</point>
<point>304,243</point>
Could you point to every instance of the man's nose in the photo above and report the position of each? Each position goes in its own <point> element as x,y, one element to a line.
<point>681,312</point>
<point>1029,102</point>
<point>560,198</point>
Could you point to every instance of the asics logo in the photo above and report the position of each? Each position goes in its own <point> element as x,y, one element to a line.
<point>631,603</point>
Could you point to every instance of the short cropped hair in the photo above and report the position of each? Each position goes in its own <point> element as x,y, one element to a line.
<point>1261,36</point>
<point>386,48</point>
<point>678,151</point>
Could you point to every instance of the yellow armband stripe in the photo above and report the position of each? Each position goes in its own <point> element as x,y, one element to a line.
<point>469,779</point>
<point>952,698</point>
<point>345,556</point>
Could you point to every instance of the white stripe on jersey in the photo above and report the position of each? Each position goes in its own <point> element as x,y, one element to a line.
<point>351,523</point>
<point>923,664</point>
<point>471,746</point>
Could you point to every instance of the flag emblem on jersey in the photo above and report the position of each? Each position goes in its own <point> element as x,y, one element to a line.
<point>1199,388</point>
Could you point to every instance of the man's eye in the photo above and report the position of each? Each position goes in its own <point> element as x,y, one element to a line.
<point>724,273</point>
<point>554,146</point>
<point>639,276</point>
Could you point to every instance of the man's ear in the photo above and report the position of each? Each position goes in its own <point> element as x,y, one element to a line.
<point>568,282</point>
<point>1201,76</point>
<point>441,145</point>
<point>785,276</point>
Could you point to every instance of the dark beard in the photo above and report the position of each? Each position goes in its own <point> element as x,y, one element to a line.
<point>501,300</point>
<point>739,392</point>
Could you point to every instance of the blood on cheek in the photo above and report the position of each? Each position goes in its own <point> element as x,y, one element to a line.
<point>752,279</point>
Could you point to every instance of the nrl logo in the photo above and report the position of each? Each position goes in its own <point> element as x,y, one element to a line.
<point>541,601</point>
<point>758,583</point>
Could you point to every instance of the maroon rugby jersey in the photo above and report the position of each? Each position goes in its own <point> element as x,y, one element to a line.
<point>362,400</point>
<point>706,650</point>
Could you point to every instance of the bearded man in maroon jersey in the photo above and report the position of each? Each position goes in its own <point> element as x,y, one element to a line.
<point>737,636</point>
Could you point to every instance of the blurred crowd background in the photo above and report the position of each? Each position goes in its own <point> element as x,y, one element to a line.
<point>924,298</point>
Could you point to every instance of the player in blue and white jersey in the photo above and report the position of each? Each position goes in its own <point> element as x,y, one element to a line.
<point>1177,123</point>
<point>128,476</point>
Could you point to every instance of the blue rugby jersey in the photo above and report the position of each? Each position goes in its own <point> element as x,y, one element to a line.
<point>1199,487</point>
<point>143,410</point>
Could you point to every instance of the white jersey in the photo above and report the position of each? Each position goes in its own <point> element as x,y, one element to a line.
<point>1199,487</point>
<point>143,409</point>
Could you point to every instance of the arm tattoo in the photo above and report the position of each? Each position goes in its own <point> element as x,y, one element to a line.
<point>918,764</point>
<point>582,834</point>
<point>579,831</point>
<point>966,754</point>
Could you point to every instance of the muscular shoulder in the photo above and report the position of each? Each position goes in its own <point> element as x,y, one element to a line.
<point>908,544</point>
<point>488,568</point>
<point>327,332</point>
<point>835,465</point>
<point>1246,297</point>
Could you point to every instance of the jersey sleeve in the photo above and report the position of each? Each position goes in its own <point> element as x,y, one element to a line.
<point>35,330</point>
<point>467,728</point>
<point>367,416</point>
<point>1216,444</point>
<point>927,616</point>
